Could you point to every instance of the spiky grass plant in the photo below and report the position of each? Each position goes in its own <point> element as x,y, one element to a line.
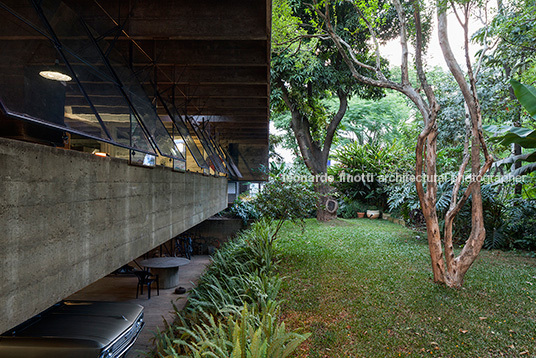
<point>233,312</point>
<point>245,333</point>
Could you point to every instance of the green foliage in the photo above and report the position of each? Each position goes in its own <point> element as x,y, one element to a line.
<point>525,137</point>
<point>451,116</point>
<point>382,120</point>
<point>519,230</point>
<point>285,26</point>
<point>494,218</point>
<point>514,56</point>
<point>526,95</point>
<point>348,209</point>
<point>247,333</point>
<point>359,169</point>
<point>307,72</point>
<point>242,272</point>
<point>233,311</point>
<point>244,209</point>
<point>282,199</point>
<point>404,202</point>
<point>506,135</point>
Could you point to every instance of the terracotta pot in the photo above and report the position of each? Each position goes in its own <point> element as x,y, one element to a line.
<point>373,214</point>
<point>360,215</point>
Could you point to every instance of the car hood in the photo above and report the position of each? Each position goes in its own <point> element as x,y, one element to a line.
<point>81,320</point>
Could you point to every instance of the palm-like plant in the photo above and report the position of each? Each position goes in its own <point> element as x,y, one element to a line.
<point>525,137</point>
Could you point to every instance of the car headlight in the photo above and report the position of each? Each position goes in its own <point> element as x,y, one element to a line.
<point>106,354</point>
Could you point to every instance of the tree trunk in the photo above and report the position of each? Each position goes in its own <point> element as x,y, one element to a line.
<point>516,148</point>
<point>447,269</point>
<point>326,208</point>
<point>314,153</point>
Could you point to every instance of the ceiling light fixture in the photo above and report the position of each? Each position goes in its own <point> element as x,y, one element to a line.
<point>55,74</point>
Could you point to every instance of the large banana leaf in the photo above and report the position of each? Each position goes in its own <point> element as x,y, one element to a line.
<point>526,169</point>
<point>506,135</point>
<point>525,137</point>
<point>526,95</point>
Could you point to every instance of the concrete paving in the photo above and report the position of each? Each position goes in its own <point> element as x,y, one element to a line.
<point>157,309</point>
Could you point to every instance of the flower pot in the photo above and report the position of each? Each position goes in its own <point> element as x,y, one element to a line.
<point>360,215</point>
<point>373,214</point>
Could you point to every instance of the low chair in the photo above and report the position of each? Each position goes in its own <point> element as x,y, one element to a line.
<point>145,278</point>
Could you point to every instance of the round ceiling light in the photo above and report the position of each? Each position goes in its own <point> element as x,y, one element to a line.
<point>55,76</point>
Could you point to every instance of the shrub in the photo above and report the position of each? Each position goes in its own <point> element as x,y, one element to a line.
<point>365,164</point>
<point>246,333</point>
<point>281,200</point>
<point>244,208</point>
<point>348,209</point>
<point>233,311</point>
<point>519,230</point>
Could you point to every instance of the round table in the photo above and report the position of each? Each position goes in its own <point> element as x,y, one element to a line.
<point>167,269</point>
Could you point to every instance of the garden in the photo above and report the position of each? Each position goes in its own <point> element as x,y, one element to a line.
<point>404,223</point>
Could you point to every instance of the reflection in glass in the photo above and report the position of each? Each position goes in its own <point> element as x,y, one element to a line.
<point>59,77</point>
<point>184,132</point>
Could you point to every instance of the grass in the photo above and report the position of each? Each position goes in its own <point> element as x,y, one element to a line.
<point>363,288</point>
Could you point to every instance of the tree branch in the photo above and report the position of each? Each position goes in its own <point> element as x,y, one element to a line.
<point>403,41</point>
<point>332,128</point>
<point>418,59</point>
<point>372,34</point>
<point>452,64</point>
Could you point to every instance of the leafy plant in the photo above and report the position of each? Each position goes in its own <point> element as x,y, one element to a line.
<point>519,230</point>
<point>233,311</point>
<point>244,209</point>
<point>348,209</point>
<point>525,137</point>
<point>245,333</point>
<point>359,168</point>
<point>282,200</point>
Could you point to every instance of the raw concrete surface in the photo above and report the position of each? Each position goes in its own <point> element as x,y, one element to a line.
<point>69,218</point>
<point>122,288</point>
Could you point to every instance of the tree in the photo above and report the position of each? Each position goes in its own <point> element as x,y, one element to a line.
<point>379,121</point>
<point>514,30</point>
<point>307,70</point>
<point>282,200</point>
<point>447,268</point>
<point>514,56</point>
<point>523,137</point>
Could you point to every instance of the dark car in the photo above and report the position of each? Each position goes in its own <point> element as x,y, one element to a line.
<point>76,329</point>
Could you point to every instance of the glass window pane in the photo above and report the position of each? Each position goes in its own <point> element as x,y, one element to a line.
<point>37,85</point>
<point>142,104</point>
<point>184,133</point>
<point>31,85</point>
<point>213,159</point>
<point>68,27</point>
<point>110,104</point>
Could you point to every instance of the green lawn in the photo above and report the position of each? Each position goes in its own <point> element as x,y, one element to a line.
<point>363,288</point>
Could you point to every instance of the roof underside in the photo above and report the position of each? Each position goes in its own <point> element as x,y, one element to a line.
<point>217,53</point>
<point>211,58</point>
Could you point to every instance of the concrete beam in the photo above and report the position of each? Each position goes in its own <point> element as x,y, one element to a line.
<point>69,218</point>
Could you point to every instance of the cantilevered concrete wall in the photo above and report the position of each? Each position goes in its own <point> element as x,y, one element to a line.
<point>69,218</point>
